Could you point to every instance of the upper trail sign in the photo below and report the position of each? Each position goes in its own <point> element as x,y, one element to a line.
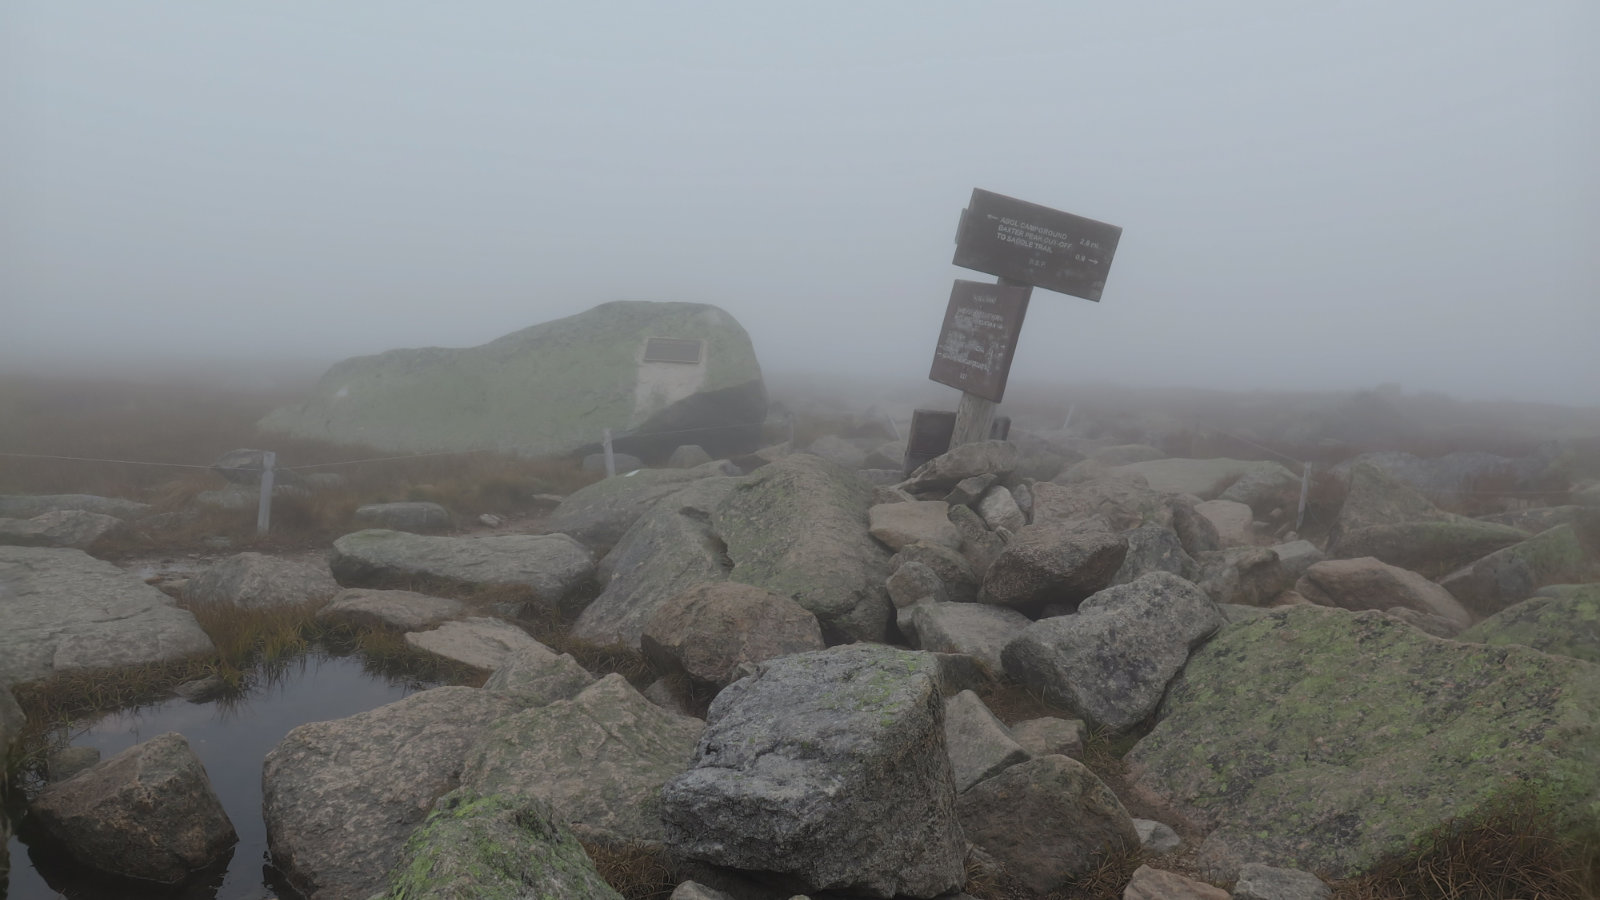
<point>1037,245</point>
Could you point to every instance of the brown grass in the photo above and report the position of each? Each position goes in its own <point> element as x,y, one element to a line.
<point>636,871</point>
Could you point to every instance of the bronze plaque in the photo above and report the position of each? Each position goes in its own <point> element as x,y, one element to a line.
<point>980,331</point>
<point>1036,245</point>
<point>673,350</point>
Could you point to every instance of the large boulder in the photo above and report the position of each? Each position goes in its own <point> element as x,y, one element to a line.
<point>1450,474</point>
<point>1557,556</point>
<point>979,744</point>
<point>669,550</point>
<point>1366,583</point>
<point>340,798</point>
<point>1234,522</point>
<point>1111,661</point>
<point>62,528</point>
<point>598,759</point>
<point>1123,503</point>
<point>1208,478</point>
<point>938,475</point>
<point>259,581</point>
<point>1329,741</point>
<point>62,610</point>
<point>149,813</point>
<point>549,390</point>
<point>1387,519</point>
<point>1567,623</point>
<point>1047,821</point>
<point>1249,576</point>
<point>480,642</point>
<point>900,524</point>
<point>472,847</point>
<point>1154,548</point>
<point>798,527</point>
<point>973,629</point>
<point>601,513</point>
<point>551,567</point>
<point>392,610</point>
<point>708,632</point>
<point>537,675</point>
<point>1053,563</point>
<point>829,768</point>
<point>417,516</point>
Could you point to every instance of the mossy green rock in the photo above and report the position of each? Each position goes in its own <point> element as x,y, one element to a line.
<point>1385,518</point>
<point>547,390</point>
<point>1329,741</point>
<point>798,527</point>
<point>1507,576</point>
<point>1567,624</point>
<point>495,847</point>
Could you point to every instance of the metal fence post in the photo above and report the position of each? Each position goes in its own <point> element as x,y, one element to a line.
<point>264,509</point>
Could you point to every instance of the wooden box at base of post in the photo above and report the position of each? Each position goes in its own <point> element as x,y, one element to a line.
<point>931,430</point>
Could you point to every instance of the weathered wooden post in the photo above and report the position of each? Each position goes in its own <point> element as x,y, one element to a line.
<point>1305,491</point>
<point>264,507</point>
<point>1026,246</point>
<point>611,458</point>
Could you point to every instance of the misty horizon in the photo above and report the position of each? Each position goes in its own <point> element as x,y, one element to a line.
<point>1310,199</point>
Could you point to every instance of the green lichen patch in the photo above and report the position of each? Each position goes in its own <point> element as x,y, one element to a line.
<point>1331,741</point>
<point>1567,624</point>
<point>494,847</point>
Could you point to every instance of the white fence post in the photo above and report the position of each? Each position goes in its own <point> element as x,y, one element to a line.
<point>1305,489</point>
<point>611,459</point>
<point>264,510</point>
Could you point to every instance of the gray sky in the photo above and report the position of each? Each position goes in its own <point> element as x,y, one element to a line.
<point>1313,195</point>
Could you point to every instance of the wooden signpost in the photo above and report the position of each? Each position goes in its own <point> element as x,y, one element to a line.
<point>1026,245</point>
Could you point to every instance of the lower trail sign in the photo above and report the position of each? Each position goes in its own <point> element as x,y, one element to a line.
<point>1027,246</point>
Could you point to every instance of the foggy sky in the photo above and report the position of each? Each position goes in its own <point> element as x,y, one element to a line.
<point>1326,195</point>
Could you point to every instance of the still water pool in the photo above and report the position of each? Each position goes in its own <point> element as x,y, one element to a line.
<point>231,739</point>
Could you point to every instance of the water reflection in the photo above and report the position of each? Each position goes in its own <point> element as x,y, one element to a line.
<point>231,737</point>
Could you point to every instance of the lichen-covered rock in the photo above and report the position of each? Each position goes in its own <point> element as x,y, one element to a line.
<point>537,675</point>
<point>669,550</point>
<point>259,581</point>
<point>599,514</point>
<point>1154,548</point>
<point>1556,556</point>
<point>1259,882</point>
<point>472,847</point>
<point>1047,821</point>
<point>1327,740</point>
<point>999,509</point>
<point>955,572</point>
<point>1049,735</point>
<point>828,768</point>
<point>1234,521</point>
<point>798,527</point>
<point>148,812</point>
<point>1122,503</point>
<point>547,390</point>
<point>551,567</point>
<point>1053,563</point>
<point>1111,662</point>
<point>708,632</point>
<point>1247,576</point>
<point>394,610</point>
<point>1567,624</point>
<point>598,759</point>
<point>416,516</point>
<point>340,798</point>
<point>1264,488</point>
<point>62,609</point>
<point>1367,583</point>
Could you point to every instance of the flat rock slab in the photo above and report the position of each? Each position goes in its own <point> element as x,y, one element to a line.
<point>340,798</point>
<point>979,631</point>
<point>394,610</point>
<point>1369,583</point>
<point>979,744</point>
<point>710,631</point>
<point>900,524</point>
<point>1326,740</point>
<point>599,514</point>
<point>481,643</point>
<point>62,609</point>
<point>259,581</point>
<point>1204,478</point>
<point>552,566</point>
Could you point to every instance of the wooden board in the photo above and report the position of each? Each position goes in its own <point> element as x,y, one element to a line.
<point>1036,245</point>
<point>979,337</point>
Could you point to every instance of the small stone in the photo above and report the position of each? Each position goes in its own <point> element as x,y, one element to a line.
<point>1156,884</point>
<point>1260,882</point>
<point>1155,837</point>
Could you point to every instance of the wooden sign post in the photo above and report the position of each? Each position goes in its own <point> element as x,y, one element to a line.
<point>1026,246</point>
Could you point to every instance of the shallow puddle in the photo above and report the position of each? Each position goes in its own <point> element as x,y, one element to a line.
<point>231,738</point>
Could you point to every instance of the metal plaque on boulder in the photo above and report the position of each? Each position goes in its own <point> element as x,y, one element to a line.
<point>1036,245</point>
<point>673,350</point>
<point>981,324</point>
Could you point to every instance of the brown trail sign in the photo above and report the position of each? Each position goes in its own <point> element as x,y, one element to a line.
<point>1027,246</point>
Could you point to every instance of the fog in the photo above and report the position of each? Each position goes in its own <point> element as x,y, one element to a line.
<point>1312,196</point>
